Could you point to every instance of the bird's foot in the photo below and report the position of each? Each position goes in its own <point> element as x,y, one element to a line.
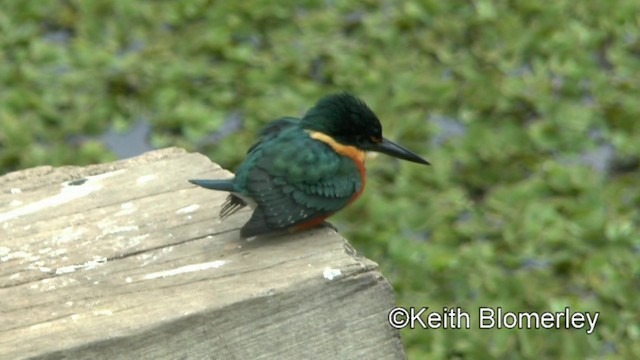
<point>329,225</point>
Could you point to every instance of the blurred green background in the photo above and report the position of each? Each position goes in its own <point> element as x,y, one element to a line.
<point>528,110</point>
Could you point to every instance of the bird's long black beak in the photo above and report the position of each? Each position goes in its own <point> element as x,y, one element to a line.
<point>395,150</point>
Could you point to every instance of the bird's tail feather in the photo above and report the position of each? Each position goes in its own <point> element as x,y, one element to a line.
<point>231,206</point>
<point>220,185</point>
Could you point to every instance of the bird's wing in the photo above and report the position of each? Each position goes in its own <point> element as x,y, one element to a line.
<point>296,180</point>
<point>272,129</point>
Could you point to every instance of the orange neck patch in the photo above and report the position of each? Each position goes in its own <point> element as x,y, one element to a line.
<point>349,151</point>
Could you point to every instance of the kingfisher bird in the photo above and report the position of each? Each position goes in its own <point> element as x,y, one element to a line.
<point>301,171</point>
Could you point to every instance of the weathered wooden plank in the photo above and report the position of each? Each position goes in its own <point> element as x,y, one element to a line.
<point>129,260</point>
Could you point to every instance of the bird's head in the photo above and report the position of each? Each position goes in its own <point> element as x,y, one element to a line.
<point>349,121</point>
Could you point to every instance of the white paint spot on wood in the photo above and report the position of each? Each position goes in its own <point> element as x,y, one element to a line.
<point>67,194</point>
<point>91,264</point>
<point>44,250</point>
<point>185,269</point>
<point>66,269</point>
<point>103,312</point>
<point>109,227</point>
<point>188,209</point>
<point>19,255</point>
<point>120,229</point>
<point>330,273</point>
<point>15,190</point>
<point>136,240</point>
<point>69,234</point>
<point>145,179</point>
<point>40,326</point>
<point>167,249</point>
<point>126,209</point>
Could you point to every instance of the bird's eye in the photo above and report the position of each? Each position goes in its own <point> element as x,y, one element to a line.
<point>375,139</point>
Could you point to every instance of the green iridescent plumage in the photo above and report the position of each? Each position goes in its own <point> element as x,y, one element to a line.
<point>292,178</point>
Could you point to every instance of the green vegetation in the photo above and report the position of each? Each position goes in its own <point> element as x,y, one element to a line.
<point>528,110</point>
